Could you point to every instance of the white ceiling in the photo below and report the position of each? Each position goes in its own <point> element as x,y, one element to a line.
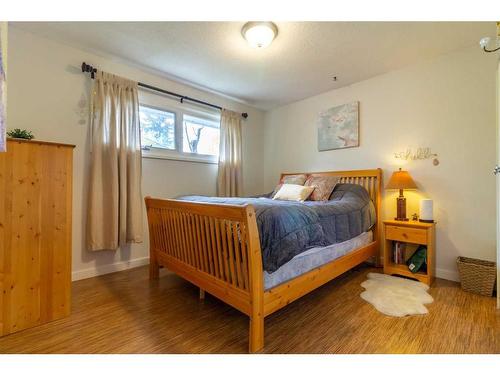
<point>299,63</point>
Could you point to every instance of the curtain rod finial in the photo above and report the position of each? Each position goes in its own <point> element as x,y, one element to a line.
<point>245,115</point>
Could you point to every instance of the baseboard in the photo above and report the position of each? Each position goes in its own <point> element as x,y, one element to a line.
<point>122,266</point>
<point>447,274</point>
<point>109,268</point>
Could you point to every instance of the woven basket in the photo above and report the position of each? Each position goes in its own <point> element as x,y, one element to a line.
<point>477,276</point>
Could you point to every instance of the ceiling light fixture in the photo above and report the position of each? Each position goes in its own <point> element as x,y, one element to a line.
<point>484,42</point>
<point>259,34</point>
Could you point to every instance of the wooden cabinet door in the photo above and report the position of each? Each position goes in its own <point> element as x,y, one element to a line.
<point>35,234</point>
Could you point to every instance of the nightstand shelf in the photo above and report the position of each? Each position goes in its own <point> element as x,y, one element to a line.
<point>412,232</point>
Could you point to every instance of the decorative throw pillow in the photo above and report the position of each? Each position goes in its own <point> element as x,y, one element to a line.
<point>290,192</point>
<point>295,179</point>
<point>323,186</point>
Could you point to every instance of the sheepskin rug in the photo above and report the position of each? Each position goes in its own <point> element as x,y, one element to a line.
<point>395,296</point>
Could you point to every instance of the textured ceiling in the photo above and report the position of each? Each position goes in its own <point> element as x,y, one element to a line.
<point>299,63</point>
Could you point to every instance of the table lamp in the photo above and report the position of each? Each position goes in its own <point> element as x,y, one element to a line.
<point>401,180</point>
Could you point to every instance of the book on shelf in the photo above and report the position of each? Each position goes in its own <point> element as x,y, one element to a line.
<point>399,249</point>
<point>402,251</point>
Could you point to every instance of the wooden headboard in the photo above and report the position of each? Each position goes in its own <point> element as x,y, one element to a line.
<point>370,179</point>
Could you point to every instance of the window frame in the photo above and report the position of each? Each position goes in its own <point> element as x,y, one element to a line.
<point>178,154</point>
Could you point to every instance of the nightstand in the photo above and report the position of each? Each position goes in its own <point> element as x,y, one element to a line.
<point>410,232</point>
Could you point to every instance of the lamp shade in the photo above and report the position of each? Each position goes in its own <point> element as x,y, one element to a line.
<point>401,180</point>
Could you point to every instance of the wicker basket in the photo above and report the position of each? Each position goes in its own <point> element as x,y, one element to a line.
<point>477,276</point>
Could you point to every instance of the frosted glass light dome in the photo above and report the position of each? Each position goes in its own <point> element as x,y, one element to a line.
<point>259,34</point>
<point>484,41</point>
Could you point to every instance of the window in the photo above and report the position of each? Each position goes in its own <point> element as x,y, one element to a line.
<point>157,128</point>
<point>184,134</point>
<point>200,136</point>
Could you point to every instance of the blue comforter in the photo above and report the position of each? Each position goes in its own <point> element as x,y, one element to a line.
<point>290,228</point>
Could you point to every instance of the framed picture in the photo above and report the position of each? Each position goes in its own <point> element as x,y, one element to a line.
<point>338,127</point>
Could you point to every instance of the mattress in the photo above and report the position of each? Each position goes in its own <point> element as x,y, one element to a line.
<point>313,258</point>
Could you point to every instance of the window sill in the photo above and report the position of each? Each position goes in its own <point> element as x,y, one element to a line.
<point>184,158</point>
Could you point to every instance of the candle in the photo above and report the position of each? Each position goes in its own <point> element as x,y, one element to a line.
<point>426,211</point>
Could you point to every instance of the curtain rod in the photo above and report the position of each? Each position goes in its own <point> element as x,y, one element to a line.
<point>86,68</point>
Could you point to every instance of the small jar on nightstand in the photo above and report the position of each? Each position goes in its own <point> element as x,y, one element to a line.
<point>410,234</point>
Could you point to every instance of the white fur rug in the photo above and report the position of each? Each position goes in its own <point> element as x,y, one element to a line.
<point>396,296</point>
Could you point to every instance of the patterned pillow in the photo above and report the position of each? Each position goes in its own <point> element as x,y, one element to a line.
<point>323,185</point>
<point>294,179</point>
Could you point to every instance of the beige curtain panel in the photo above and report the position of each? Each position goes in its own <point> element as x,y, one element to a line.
<point>115,198</point>
<point>229,178</point>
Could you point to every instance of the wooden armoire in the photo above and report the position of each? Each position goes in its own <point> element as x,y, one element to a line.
<point>35,233</point>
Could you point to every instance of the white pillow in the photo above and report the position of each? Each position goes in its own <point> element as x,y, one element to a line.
<point>291,192</point>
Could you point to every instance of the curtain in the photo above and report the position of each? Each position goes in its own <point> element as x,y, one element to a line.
<point>115,198</point>
<point>3,85</point>
<point>229,178</point>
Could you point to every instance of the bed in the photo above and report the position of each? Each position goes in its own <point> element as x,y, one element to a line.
<point>215,244</point>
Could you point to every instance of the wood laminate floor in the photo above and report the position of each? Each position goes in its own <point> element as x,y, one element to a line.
<point>124,312</point>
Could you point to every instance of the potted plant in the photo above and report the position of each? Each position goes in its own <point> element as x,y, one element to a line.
<point>22,134</point>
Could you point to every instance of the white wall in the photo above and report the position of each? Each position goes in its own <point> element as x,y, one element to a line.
<point>45,87</point>
<point>447,104</point>
<point>498,182</point>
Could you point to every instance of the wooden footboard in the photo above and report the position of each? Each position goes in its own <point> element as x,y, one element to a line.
<point>215,247</point>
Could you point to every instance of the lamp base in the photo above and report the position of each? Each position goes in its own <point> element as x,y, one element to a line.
<point>401,219</point>
<point>401,207</point>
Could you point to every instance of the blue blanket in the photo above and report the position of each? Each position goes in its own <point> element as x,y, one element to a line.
<point>290,228</point>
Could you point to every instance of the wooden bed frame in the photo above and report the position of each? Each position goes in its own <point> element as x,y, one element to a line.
<point>217,248</point>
